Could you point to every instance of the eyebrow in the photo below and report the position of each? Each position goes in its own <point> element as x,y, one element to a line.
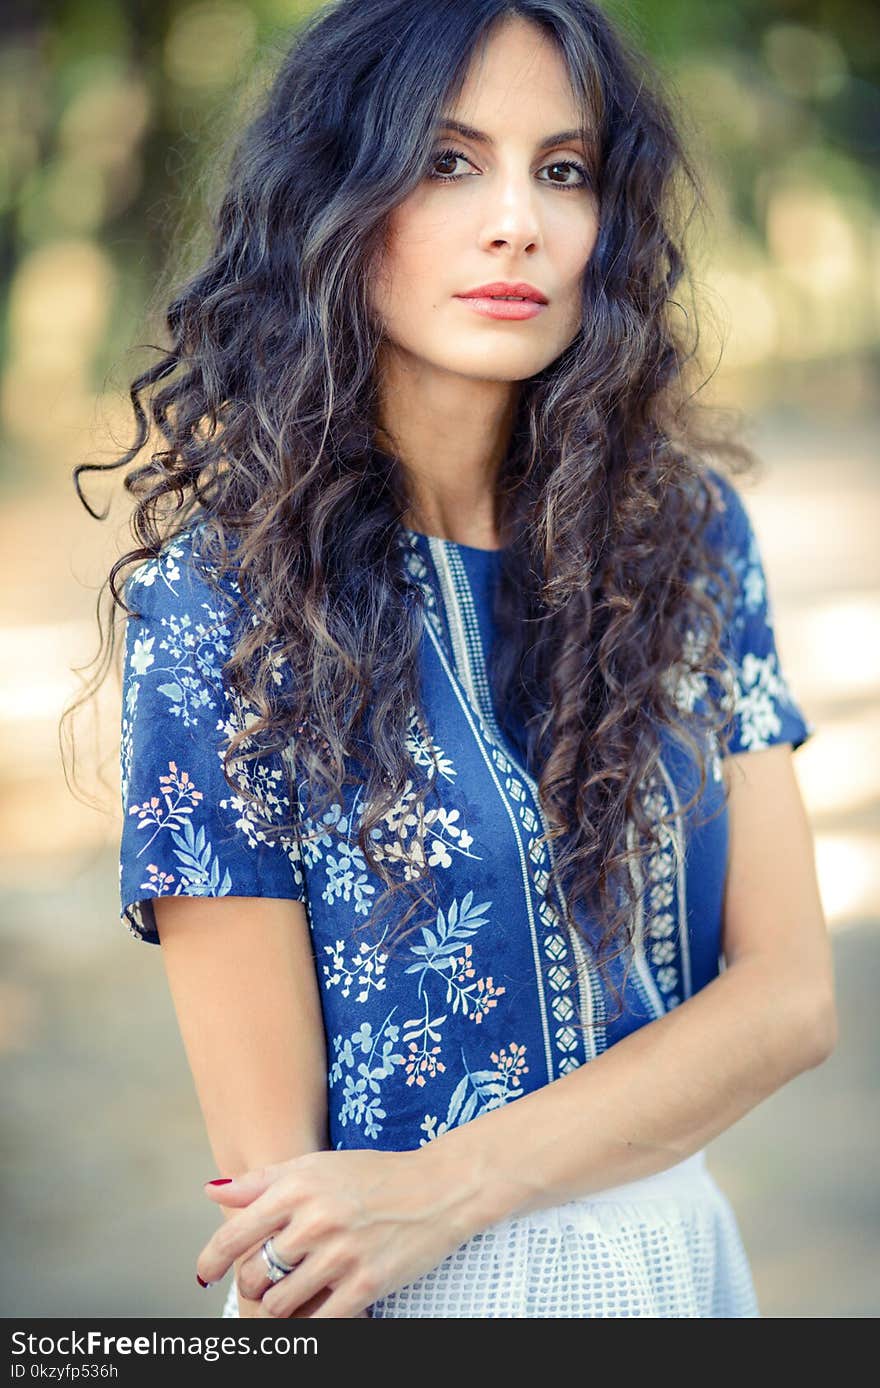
<point>562,137</point>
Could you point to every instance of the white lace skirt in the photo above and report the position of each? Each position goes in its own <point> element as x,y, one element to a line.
<point>664,1246</point>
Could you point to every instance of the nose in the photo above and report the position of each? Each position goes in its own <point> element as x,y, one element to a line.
<point>510,214</point>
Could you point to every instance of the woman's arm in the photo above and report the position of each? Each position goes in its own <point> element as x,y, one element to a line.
<point>664,1091</point>
<point>645,1104</point>
<point>243,980</point>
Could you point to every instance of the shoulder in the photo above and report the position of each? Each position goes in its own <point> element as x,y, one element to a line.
<point>182,583</point>
<point>183,625</point>
<point>736,579</point>
<point>730,527</point>
<point>187,616</point>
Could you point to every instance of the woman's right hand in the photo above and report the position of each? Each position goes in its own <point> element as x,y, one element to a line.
<point>248,1308</point>
<point>253,1310</point>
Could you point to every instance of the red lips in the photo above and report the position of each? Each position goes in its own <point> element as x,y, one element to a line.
<point>501,289</point>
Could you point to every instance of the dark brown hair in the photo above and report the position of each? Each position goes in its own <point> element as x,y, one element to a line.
<point>264,404</point>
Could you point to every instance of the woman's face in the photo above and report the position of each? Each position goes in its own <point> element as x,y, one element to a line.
<point>520,210</point>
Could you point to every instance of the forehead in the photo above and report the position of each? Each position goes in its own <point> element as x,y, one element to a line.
<point>517,82</point>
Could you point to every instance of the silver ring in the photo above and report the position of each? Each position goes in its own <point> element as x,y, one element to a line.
<point>275,1266</point>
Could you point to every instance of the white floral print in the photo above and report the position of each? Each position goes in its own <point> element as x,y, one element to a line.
<point>490,996</point>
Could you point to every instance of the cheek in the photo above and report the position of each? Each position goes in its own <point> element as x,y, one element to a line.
<point>581,250</point>
<point>581,242</point>
<point>411,273</point>
<point>573,231</point>
<point>572,315</point>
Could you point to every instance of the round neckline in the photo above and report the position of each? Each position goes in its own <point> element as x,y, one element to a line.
<point>454,544</point>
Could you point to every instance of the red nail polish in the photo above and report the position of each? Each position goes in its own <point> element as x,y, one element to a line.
<point>220,1181</point>
<point>203,1284</point>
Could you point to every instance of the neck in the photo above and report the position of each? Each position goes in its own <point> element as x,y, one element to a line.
<point>450,434</point>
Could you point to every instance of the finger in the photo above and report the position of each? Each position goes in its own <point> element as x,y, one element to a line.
<point>309,1307</point>
<point>245,1187</point>
<point>298,1288</point>
<point>253,1275</point>
<point>267,1214</point>
<point>341,1304</point>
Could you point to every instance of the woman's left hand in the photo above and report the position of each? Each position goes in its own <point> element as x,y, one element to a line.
<point>363,1223</point>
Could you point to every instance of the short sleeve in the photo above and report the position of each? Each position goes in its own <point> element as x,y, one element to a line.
<point>184,830</point>
<point>764,708</point>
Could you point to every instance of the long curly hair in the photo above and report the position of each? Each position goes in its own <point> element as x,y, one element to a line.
<point>264,409</point>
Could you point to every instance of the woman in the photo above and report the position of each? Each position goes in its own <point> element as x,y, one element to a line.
<point>456,753</point>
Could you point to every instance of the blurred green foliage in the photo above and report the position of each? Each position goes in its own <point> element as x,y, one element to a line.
<point>111,110</point>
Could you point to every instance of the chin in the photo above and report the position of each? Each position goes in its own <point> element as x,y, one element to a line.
<point>493,365</point>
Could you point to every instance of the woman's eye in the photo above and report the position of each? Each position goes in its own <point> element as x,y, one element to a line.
<point>450,158</point>
<point>445,156</point>
<point>568,164</point>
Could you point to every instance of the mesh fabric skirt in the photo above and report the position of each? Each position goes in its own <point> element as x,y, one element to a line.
<point>667,1245</point>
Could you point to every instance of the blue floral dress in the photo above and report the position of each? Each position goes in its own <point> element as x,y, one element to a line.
<point>480,1006</point>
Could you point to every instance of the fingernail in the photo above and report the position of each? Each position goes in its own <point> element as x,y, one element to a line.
<point>203,1284</point>
<point>219,1181</point>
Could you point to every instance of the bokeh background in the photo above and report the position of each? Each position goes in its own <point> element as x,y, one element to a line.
<point>110,112</point>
